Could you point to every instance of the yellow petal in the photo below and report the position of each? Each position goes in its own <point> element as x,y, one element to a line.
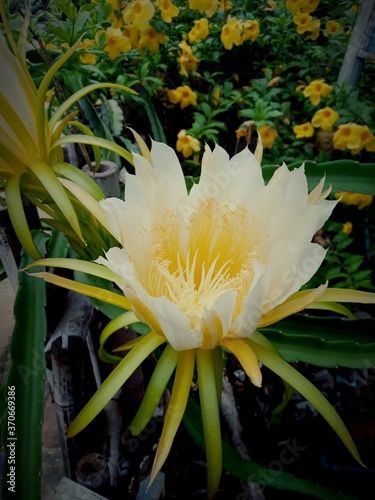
<point>79,265</point>
<point>114,381</point>
<point>120,321</point>
<point>96,141</point>
<point>333,307</point>
<point>88,290</point>
<point>342,295</point>
<point>246,356</point>
<point>142,145</point>
<point>295,303</point>
<point>49,180</point>
<point>87,201</point>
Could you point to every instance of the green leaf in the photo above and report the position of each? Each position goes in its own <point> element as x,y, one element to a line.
<point>113,115</point>
<point>156,126</point>
<point>327,342</point>
<point>342,175</point>
<point>26,385</point>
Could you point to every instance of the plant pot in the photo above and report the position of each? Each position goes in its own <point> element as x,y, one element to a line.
<point>106,177</point>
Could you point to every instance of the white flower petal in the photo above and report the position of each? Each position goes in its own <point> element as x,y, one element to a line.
<point>114,210</point>
<point>294,263</point>
<point>205,267</point>
<point>175,325</point>
<point>231,181</point>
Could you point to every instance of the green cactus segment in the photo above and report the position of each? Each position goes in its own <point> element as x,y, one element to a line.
<point>22,434</point>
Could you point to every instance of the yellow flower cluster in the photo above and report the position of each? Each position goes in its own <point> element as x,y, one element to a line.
<point>209,7</point>
<point>317,89</point>
<point>131,29</point>
<point>301,9</point>
<point>183,95</point>
<point>186,59</point>
<point>199,31</point>
<point>187,144</point>
<point>168,10</point>
<point>87,57</point>
<point>236,32</point>
<point>354,137</point>
<point>332,27</point>
<point>347,228</point>
<point>303,130</point>
<point>349,198</point>
<point>268,135</point>
<point>305,6</point>
<point>305,23</point>
<point>325,118</point>
<point>116,42</point>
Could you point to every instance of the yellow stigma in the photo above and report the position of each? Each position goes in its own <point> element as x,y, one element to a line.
<point>192,264</point>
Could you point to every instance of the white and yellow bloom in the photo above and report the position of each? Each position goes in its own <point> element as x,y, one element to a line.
<point>204,270</point>
<point>208,266</point>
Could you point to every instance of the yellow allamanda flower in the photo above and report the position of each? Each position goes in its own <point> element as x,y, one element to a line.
<point>315,30</point>
<point>116,15</point>
<point>231,33</point>
<point>268,135</point>
<point>325,118</point>
<point>225,5</point>
<point>356,199</point>
<point>87,57</point>
<point>303,22</point>
<point>216,97</point>
<point>187,60</point>
<point>132,33</point>
<point>139,13</point>
<point>50,94</point>
<point>294,6</point>
<point>317,89</point>
<point>332,27</point>
<point>204,270</point>
<point>199,31</point>
<point>367,140</point>
<point>150,39</point>
<point>250,30</point>
<point>354,137</point>
<point>187,144</point>
<point>347,136</point>
<point>208,7</point>
<point>303,130</point>
<point>310,6</point>
<point>347,227</point>
<point>304,6</point>
<point>183,95</point>
<point>271,5</point>
<point>168,10</point>
<point>116,42</point>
